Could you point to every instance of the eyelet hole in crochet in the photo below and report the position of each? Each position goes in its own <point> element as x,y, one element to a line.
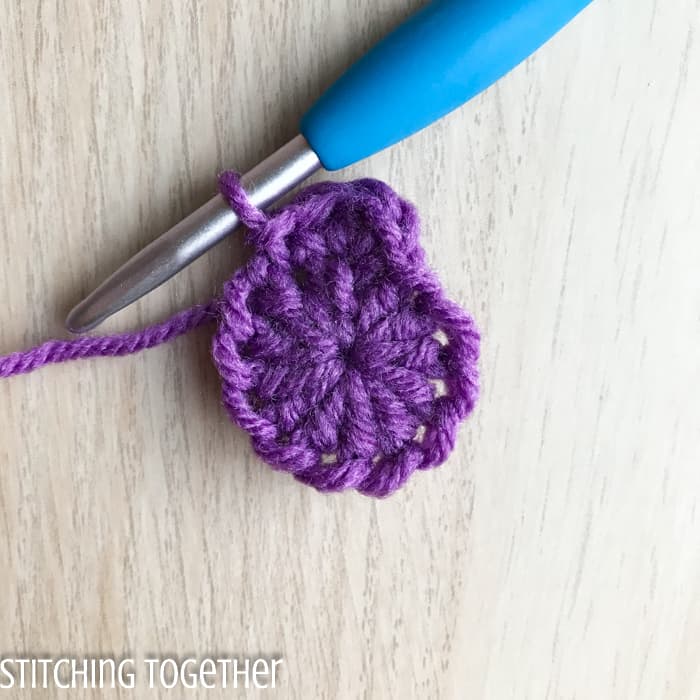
<point>439,387</point>
<point>441,337</point>
<point>327,458</point>
<point>420,434</point>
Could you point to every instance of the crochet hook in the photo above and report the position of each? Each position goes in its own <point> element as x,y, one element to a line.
<point>441,57</point>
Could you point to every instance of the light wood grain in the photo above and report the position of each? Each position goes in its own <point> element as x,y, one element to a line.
<point>555,555</point>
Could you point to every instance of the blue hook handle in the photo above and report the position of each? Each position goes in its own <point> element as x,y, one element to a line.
<point>436,61</point>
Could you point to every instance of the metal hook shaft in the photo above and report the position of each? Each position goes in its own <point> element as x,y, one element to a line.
<point>193,236</point>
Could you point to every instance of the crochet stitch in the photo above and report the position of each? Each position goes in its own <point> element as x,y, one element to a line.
<point>337,349</point>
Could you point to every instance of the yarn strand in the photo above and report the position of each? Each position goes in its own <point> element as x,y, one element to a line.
<point>54,351</point>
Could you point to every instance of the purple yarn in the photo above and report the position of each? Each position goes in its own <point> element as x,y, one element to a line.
<point>333,342</point>
<point>327,345</point>
<point>53,351</point>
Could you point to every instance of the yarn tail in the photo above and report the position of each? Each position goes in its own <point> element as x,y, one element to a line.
<point>53,351</point>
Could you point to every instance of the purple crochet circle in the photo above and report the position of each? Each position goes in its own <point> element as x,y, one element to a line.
<point>338,351</point>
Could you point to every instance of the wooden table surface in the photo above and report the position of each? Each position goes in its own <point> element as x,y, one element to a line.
<point>555,555</point>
